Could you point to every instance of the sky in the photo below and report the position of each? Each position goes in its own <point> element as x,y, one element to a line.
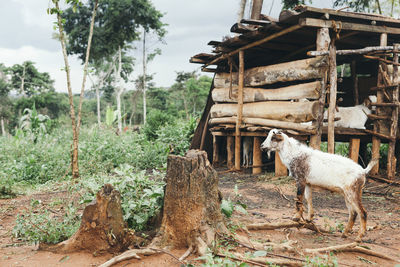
<point>26,34</point>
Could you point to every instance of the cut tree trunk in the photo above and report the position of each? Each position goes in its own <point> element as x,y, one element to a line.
<point>274,110</point>
<point>102,227</point>
<point>192,214</point>
<point>3,129</point>
<point>300,70</point>
<point>300,91</point>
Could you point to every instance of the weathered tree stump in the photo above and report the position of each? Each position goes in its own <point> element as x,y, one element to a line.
<point>102,227</point>
<point>192,214</point>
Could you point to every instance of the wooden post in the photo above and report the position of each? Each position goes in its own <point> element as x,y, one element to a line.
<point>332,97</point>
<point>257,155</point>
<point>322,44</point>
<point>354,149</point>
<point>215,151</point>
<point>355,82</point>
<point>230,152</point>
<point>376,142</point>
<point>391,159</point>
<point>256,9</point>
<point>240,109</point>
<point>280,168</point>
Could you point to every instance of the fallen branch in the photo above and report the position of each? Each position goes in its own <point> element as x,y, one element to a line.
<point>281,193</point>
<point>351,247</point>
<point>287,224</point>
<point>129,254</point>
<point>265,260</point>
<point>186,254</point>
<point>170,254</point>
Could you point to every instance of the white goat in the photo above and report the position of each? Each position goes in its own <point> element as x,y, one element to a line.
<point>247,151</point>
<point>353,117</point>
<point>315,169</point>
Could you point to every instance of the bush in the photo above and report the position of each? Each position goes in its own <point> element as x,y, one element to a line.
<point>155,120</point>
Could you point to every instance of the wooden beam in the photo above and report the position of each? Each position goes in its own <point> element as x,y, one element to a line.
<point>380,88</point>
<point>239,110</point>
<point>256,9</point>
<point>322,44</point>
<point>383,136</point>
<point>347,26</point>
<point>332,97</point>
<point>257,155</point>
<point>280,168</point>
<point>215,150</point>
<point>378,117</point>
<point>355,81</point>
<point>256,22</point>
<point>360,51</point>
<point>265,122</point>
<point>391,159</point>
<point>376,142</point>
<point>256,43</point>
<point>354,149</point>
<point>230,149</point>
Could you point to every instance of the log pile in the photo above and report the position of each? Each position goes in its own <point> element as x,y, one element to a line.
<point>266,103</point>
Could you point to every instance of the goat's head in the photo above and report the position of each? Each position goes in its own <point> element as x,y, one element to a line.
<point>274,141</point>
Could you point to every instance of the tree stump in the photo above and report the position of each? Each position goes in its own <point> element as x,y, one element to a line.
<point>102,227</point>
<point>192,214</point>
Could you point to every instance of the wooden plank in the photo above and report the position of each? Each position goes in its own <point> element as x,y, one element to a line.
<point>256,22</point>
<point>347,26</point>
<point>391,159</point>
<point>354,149</point>
<point>309,90</point>
<point>239,110</point>
<point>355,82</point>
<point>215,150</point>
<point>332,97</point>
<point>257,155</point>
<point>256,9</point>
<point>230,149</point>
<point>378,117</point>
<point>376,142</point>
<point>280,168</point>
<point>396,104</point>
<point>274,110</point>
<point>376,134</point>
<point>256,43</point>
<point>299,70</point>
<point>265,122</point>
<point>322,44</point>
<point>379,88</point>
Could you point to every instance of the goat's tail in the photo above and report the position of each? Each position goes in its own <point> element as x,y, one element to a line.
<point>371,164</point>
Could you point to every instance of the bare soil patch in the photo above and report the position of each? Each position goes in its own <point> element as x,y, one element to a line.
<point>269,199</point>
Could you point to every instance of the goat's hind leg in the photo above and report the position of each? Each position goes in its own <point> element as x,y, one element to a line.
<point>308,197</point>
<point>352,216</point>
<point>299,201</point>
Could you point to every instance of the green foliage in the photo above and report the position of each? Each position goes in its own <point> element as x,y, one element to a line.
<point>155,120</point>
<point>228,206</point>
<point>40,225</point>
<point>325,261</point>
<point>141,194</point>
<point>210,260</point>
<point>34,123</point>
<point>290,4</point>
<point>111,116</point>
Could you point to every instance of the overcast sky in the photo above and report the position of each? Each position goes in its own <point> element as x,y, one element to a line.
<point>26,31</point>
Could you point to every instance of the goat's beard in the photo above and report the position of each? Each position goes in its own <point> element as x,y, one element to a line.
<point>269,154</point>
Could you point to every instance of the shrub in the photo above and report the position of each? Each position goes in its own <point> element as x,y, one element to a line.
<point>155,120</point>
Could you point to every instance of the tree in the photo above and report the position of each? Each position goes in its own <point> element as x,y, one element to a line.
<point>75,125</point>
<point>178,89</point>
<point>117,26</point>
<point>5,102</point>
<point>27,80</point>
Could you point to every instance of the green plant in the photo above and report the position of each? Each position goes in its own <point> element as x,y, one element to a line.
<point>324,261</point>
<point>228,206</point>
<point>34,123</point>
<point>111,116</point>
<point>155,120</point>
<point>210,260</point>
<point>39,225</point>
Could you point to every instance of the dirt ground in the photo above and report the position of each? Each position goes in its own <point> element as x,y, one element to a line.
<point>268,199</point>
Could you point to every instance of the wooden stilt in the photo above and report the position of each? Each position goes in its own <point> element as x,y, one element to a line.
<point>322,44</point>
<point>280,168</point>
<point>354,149</point>
<point>215,160</point>
<point>355,82</point>
<point>240,110</point>
<point>391,159</point>
<point>376,142</point>
<point>230,143</point>
<point>332,97</point>
<point>257,155</point>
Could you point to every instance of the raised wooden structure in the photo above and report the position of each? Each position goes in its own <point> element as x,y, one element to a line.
<point>283,74</point>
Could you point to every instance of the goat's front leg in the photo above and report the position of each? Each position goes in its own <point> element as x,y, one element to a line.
<point>299,200</point>
<point>308,197</point>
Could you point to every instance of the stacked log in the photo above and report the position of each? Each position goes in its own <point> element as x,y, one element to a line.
<point>285,107</point>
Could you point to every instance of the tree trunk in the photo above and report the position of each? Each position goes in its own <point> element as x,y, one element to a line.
<point>144,77</point>
<point>192,214</point>
<point>119,89</point>
<point>98,105</point>
<point>3,129</point>
<point>102,227</point>
<point>275,110</point>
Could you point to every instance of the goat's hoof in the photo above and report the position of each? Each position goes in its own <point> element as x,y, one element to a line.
<point>344,235</point>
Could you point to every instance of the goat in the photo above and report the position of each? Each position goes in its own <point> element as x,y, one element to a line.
<point>247,151</point>
<point>316,169</point>
<point>353,117</point>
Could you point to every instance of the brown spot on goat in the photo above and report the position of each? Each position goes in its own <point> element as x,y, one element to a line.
<point>299,168</point>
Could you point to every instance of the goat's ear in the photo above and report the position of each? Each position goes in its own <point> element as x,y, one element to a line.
<point>277,137</point>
